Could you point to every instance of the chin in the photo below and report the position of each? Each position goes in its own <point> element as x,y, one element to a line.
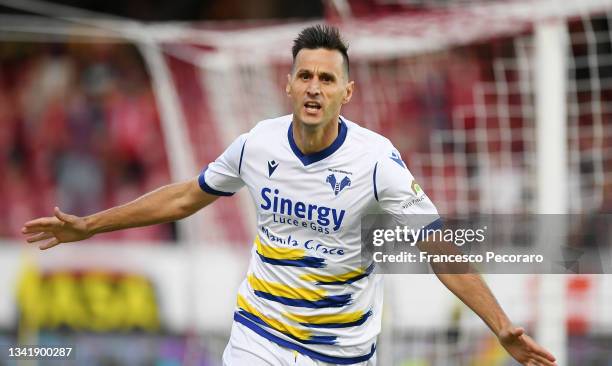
<point>311,120</point>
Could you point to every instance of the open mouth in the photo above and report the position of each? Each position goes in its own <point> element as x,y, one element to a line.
<point>312,107</point>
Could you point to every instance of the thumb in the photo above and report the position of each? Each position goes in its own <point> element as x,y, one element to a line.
<point>517,332</point>
<point>62,216</point>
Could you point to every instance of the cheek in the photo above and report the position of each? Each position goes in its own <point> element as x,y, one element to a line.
<point>293,94</point>
<point>296,91</point>
<point>337,98</point>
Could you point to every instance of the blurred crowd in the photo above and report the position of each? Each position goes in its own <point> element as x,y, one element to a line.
<point>80,130</point>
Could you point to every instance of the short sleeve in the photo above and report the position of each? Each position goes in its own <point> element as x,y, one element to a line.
<point>399,194</point>
<point>222,177</point>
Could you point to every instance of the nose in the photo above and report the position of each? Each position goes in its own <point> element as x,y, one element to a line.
<point>314,88</point>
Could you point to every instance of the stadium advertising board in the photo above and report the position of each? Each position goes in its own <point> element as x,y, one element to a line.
<point>94,301</point>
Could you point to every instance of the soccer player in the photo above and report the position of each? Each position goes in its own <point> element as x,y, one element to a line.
<point>306,300</point>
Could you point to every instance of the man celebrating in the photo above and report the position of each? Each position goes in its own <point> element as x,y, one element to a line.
<point>307,299</point>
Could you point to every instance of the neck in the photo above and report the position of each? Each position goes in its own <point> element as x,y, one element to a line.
<point>312,139</point>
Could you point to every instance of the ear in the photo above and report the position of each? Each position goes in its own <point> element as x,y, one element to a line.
<point>288,86</point>
<point>348,93</point>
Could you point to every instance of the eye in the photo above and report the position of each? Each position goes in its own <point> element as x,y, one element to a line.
<point>326,78</point>
<point>304,76</point>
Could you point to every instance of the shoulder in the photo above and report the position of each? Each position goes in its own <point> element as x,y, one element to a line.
<point>385,157</point>
<point>374,143</point>
<point>266,130</point>
<point>272,126</point>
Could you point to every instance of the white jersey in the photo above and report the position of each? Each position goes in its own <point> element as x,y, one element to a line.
<point>306,288</point>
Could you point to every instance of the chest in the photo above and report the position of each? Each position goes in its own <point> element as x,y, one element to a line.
<point>333,191</point>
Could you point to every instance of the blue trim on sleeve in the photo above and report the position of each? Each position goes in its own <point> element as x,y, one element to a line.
<point>305,351</point>
<point>434,225</point>
<point>241,153</point>
<point>320,155</point>
<point>208,189</point>
<point>374,180</point>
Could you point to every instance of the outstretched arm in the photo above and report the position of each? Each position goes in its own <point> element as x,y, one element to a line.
<point>165,204</point>
<point>469,286</point>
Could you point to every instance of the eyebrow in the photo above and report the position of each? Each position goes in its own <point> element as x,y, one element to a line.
<point>322,73</point>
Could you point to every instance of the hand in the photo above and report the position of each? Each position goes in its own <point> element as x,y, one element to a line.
<point>524,349</point>
<point>62,228</point>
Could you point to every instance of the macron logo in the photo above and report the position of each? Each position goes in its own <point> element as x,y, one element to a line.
<point>272,165</point>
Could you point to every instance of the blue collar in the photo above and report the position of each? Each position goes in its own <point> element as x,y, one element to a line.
<point>319,155</point>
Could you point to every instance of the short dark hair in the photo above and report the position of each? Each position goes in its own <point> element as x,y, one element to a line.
<point>321,36</point>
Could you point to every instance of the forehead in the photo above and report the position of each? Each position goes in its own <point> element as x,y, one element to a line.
<point>320,59</point>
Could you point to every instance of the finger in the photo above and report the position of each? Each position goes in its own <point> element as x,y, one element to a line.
<point>37,229</point>
<point>538,350</point>
<point>63,216</point>
<point>543,361</point>
<point>532,362</point>
<point>50,244</point>
<point>38,225</point>
<point>541,352</point>
<point>40,236</point>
